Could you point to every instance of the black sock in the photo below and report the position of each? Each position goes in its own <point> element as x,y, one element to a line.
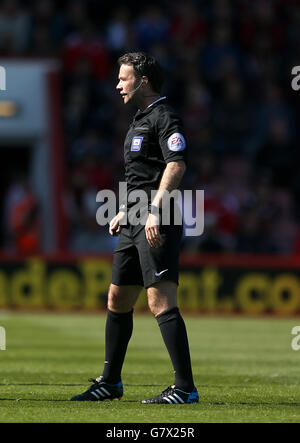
<point>118,331</point>
<point>174,334</point>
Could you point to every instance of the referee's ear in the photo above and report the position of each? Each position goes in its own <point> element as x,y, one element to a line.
<point>145,80</point>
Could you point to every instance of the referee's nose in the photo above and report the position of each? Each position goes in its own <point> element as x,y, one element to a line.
<point>118,87</point>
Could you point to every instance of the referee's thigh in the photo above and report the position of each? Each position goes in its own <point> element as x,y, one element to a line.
<point>122,298</point>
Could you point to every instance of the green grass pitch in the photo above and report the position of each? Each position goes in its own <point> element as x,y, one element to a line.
<point>245,370</point>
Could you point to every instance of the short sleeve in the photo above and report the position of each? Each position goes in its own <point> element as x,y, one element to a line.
<point>171,137</point>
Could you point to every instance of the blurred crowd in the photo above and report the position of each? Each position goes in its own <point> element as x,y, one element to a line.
<point>228,72</point>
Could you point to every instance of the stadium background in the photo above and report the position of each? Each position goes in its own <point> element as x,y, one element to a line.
<point>62,124</point>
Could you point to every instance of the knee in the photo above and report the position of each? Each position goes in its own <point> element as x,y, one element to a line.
<point>158,305</point>
<point>161,298</point>
<point>120,299</point>
<point>114,302</point>
<point>155,306</point>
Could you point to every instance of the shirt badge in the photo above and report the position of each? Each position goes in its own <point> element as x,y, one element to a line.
<point>176,142</point>
<point>136,143</point>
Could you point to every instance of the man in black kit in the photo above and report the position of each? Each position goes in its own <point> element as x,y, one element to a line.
<point>147,255</point>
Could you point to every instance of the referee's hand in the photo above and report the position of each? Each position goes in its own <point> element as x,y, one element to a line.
<point>114,225</point>
<point>152,231</point>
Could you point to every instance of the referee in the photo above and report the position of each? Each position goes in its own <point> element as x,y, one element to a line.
<point>146,255</point>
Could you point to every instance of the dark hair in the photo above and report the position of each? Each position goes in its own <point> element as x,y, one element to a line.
<point>144,64</point>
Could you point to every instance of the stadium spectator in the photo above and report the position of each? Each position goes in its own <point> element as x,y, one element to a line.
<point>14,28</point>
<point>76,15</point>
<point>263,24</point>
<point>91,143</point>
<point>76,112</point>
<point>45,16</point>
<point>197,104</point>
<point>88,177</point>
<point>232,118</point>
<point>272,155</point>
<point>219,52</point>
<point>187,28</point>
<point>250,238</point>
<point>42,44</point>
<point>119,31</point>
<point>227,67</point>
<point>151,27</point>
<point>22,222</point>
<point>87,44</point>
<point>222,11</point>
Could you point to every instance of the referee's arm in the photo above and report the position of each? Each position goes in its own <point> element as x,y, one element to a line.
<point>170,180</point>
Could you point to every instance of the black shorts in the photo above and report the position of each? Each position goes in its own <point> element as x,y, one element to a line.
<point>137,263</point>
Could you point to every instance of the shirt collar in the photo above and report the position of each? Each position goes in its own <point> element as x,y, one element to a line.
<point>158,100</point>
<point>140,113</point>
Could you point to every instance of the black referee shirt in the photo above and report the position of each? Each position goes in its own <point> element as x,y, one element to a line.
<point>154,138</point>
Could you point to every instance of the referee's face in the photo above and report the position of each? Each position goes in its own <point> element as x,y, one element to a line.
<point>127,83</point>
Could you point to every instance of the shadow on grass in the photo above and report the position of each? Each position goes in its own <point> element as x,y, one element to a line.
<point>41,384</point>
<point>201,403</point>
<point>17,400</point>
<point>245,403</point>
<point>71,384</point>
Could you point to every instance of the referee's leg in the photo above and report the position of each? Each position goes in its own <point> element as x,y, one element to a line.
<point>118,329</point>
<point>122,299</point>
<point>162,300</point>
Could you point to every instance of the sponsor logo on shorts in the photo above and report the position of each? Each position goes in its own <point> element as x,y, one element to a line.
<point>158,274</point>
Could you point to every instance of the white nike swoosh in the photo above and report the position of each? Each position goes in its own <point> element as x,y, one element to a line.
<point>161,272</point>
